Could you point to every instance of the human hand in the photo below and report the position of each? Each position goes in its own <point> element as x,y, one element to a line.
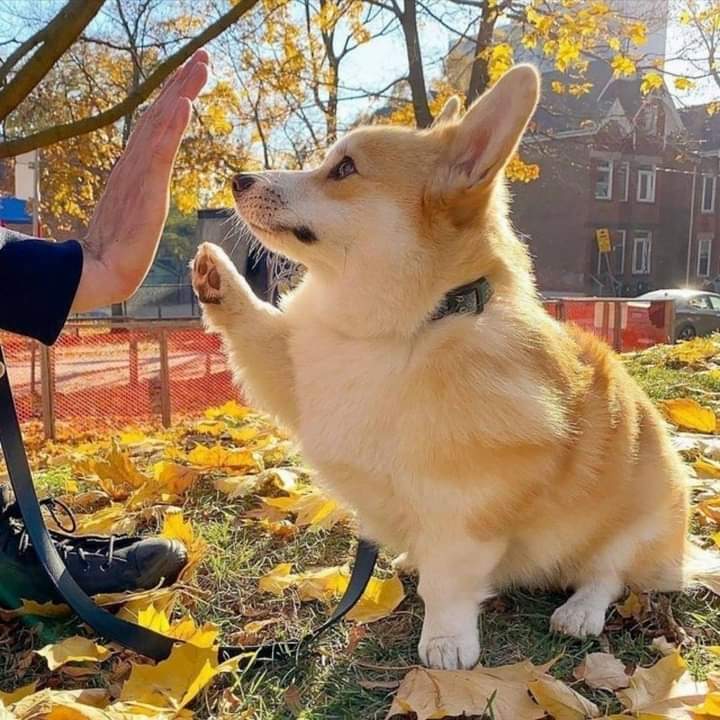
<point>125,230</point>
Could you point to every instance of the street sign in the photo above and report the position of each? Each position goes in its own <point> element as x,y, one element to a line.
<point>602,237</point>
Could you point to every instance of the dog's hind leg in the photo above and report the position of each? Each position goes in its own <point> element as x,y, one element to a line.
<point>254,332</point>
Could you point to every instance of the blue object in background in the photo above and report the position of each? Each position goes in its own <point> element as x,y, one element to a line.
<point>13,211</point>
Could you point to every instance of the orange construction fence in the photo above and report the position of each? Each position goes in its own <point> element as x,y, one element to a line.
<point>103,374</point>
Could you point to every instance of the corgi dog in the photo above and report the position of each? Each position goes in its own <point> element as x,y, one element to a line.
<point>496,449</point>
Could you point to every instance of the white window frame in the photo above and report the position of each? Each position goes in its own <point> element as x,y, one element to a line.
<point>625,189</point>
<point>622,239</point>
<point>704,239</point>
<point>704,208</point>
<point>609,167</point>
<point>651,173</point>
<point>641,237</point>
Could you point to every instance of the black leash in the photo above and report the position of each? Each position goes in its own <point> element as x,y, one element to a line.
<point>140,639</point>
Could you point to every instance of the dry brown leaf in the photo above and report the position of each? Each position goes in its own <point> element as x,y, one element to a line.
<point>602,671</point>
<point>73,649</point>
<point>664,646</point>
<point>664,690</point>
<point>440,693</point>
<point>634,606</point>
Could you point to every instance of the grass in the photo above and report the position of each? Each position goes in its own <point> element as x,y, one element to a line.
<point>352,671</point>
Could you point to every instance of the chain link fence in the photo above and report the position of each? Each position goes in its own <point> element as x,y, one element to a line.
<point>103,374</point>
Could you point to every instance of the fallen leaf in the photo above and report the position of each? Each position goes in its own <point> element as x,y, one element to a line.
<point>63,705</point>
<point>602,671</point>
<point>73,649</point>
<point>219,457</point>
<point>705,467</point>
<point>561,701</point>
<point>311,507</point>
<point>230,409</point>
<point>293,701</point>
<point>664,690</point>
<point>711,508</point>
<point>710,705</point>
<point>440,693</point>
<point>174,682</point>
<point>280,528</point>
<point>175,527</point>
<point>634,606</point>
<point>379,600</point>
<point>10,698</point>
<point>690,415</point>
<point>237,486</point>
<point>664,646</point>
<point>173,477</point>
<point>117,474</point>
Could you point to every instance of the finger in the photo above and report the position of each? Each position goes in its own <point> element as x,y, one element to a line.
<point>170,92</point>
<point>169,141</point>
<point>195,81</point>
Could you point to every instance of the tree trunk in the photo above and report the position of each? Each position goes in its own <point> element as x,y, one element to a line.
<point>416,74</point>
<point>479,74</point>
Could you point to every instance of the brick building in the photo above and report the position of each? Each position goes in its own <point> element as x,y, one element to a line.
<point>620,161</point>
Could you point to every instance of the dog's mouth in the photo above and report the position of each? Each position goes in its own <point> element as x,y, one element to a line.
<point>303,233</point>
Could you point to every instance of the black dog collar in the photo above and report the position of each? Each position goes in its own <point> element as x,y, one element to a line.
<point>467,299</point>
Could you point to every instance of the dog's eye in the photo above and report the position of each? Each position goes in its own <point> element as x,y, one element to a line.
<point>344,168</point>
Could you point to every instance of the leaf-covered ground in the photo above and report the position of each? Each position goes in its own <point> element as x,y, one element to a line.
<point>268,557</point>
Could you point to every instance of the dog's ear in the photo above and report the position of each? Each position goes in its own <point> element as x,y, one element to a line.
<point>450,111</point>
<point>490,132</point>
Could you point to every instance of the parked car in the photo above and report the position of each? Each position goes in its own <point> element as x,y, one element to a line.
<point>697,312</point>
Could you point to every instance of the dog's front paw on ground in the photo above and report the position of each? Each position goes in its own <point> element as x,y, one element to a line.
<point>206,277</point>
<point>578,619</point>
<point>452,652</point>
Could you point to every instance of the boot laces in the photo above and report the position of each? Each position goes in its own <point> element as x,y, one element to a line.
<point>65,546</point>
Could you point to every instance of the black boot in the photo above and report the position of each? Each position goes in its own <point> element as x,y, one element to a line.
<point>99,564</point>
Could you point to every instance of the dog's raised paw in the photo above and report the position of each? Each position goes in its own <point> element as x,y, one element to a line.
<point>206,280</point>
<point>578,619</point>
<point>450,653</point>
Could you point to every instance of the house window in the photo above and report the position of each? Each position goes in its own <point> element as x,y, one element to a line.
<point>642,249</point>
<point>604,181</point>
<point>624,181</point>
<point>709,188</point>
<point>616,257</point>
<point>703,258</point>
<point>646,184</point>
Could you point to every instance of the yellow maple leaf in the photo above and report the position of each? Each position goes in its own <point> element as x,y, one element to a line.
<point>218,457</point>
<point>173,477</point>
<point>667,684</point>
<point>710,705</point>
<point>230,409</point>
<point>602,671</point>
<point>10,698</point>
<point>561,701</point>
<point>185,629</point>
<point>175,527</point>
<point>312,508</point>
<point>683,84</point>
<point>174,682</point>
<point>690,415</point>
<point>117,474</point>
<point>73,649</point>
<point>379,600</point>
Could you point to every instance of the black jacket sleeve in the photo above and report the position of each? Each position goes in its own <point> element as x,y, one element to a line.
<point>38,282</point>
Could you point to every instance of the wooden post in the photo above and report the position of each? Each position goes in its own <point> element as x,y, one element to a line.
<point>617,326</point>
<point>165,407</point>
<point>47,376</point>
<point>670,321</point>
<point>133,364</point>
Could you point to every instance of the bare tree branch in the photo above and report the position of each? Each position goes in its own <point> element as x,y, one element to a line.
<point>61,32</point>
<point>134,99</point>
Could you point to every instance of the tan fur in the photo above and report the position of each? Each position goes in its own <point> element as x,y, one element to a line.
<point>500,449</point>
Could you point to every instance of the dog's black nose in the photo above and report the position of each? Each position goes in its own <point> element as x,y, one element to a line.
<point>242,182</point>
